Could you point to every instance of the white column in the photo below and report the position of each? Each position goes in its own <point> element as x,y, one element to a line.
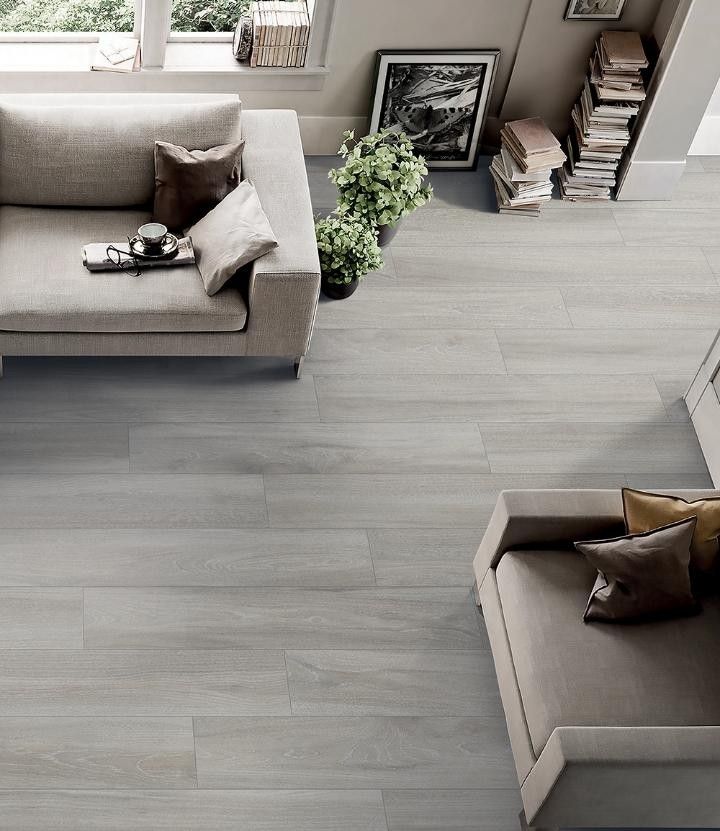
<point>154,32</point>
<point>683,82</point>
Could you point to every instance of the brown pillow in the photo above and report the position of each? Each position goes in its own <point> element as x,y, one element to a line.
<point>644,511</point>
<point>189,183</point>
<point>641,575</point>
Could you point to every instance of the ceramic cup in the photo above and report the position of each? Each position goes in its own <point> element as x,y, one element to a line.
<point>152,234</point>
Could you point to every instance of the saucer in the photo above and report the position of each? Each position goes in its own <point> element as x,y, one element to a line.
<point>166,251</point>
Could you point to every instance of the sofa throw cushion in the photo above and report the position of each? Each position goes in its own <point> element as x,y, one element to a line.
<point>643,575</point>
<point>101,155</point>
<point>232,235</point>
<point>644,511</point>
<point>189,183</point>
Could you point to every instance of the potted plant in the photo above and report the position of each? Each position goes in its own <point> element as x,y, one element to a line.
<point>348,250</point>
<point>381,180</point>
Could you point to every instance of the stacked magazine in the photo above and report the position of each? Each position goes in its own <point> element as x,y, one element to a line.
<point>522,170</point>
<point>601,119</point>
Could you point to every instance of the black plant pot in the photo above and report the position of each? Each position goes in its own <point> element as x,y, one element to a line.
<point>337,291</point>
<point>385,233</point>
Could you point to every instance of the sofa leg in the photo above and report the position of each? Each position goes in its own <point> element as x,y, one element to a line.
<point>299,366</point>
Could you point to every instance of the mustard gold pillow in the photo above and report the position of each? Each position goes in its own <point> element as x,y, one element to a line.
<point>644,511</point>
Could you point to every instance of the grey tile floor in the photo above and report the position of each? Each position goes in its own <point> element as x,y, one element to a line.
<point>229,599</point>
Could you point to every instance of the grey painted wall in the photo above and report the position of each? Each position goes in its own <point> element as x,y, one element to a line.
<point>542,63</point>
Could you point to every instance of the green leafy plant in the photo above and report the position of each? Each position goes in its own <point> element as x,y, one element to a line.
<point>348,249</point>
<point>382,178</point>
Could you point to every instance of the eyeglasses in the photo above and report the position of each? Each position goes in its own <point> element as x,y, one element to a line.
<point>126,261</point>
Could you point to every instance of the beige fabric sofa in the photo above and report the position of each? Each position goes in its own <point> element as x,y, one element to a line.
<point>79,168</point>
<point>610,725</point>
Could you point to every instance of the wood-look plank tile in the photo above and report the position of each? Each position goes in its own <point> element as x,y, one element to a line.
<point>453,810</point>
<point>444,307</point>
<point>513,398</point>
<point>655,307</point>
<point>131,501</point>
<point>487,263</point>
<point>683,226</point>
<point>96,753</point>
<point>190,810</point>
<point>672,388</point>
<point>383,351</point>
<point>712,254</point>
<point>65,448</point>
<point>306,448</point>
<point>619,351</point>
<point>41,618</point>
<point>176,618</point>
<point>144,682</point>
<point>364,683</point>
<point>593,448</point>
<point>591,225</point>
<point>155,389</point>
<point>387,501</point>
<point>185,557</point>
<point>392,752</point>
<point>710,164</point>
<point>670,481</point>
<point>424,557</point>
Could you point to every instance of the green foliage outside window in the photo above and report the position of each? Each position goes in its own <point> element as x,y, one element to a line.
<point>114,15</point>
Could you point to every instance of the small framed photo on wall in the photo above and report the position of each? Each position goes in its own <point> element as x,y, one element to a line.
<point>439,98</point>
<point>594,10</point>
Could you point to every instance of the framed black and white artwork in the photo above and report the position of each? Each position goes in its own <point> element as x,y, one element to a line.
<point>594,10</point>
<point>439,98</point>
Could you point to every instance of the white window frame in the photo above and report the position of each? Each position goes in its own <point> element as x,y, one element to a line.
<point>152,27</point>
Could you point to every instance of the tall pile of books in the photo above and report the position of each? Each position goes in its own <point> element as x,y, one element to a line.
<point>601,119</point>
<point>522,169</point>
<point>281,32</point>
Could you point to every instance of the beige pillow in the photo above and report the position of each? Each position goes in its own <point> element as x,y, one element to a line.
<point>641,575</point>
<point>233,234</point>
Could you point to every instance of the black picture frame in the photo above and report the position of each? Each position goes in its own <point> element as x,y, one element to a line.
<point>439,97</point>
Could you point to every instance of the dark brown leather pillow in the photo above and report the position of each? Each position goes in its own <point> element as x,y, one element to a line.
<point>641,575</point>
<point>189,183</point>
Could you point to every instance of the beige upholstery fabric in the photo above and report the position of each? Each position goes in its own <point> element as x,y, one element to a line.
<point>288,277</point>
<point>639,777</point>
<point>575,674</point>
<point>100,155</point>
<point>231,235</point>
<point>45,288</point>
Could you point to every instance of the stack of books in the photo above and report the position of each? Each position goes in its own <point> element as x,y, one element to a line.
<point>601,119</point>
<point>116,53</point>
<point>281,32</point>
<point>522,170</point>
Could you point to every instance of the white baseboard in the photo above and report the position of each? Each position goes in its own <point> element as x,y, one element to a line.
<point>707,138</point>
<point>322,135</point>
<point>650,181</point>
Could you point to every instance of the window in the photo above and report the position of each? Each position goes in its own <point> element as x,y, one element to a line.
<point>67,15</point>
<point>206,15</point>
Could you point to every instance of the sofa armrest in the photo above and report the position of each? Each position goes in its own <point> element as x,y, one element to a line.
<point>534,517</point>
<point>285,283</point>
<point>626,777</point>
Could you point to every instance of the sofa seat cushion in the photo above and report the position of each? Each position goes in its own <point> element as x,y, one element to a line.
<point>44,286</point>
<point>570,673</point>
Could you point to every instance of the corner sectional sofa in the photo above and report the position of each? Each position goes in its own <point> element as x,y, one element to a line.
<point>79,168</point>
<point>611,725</point>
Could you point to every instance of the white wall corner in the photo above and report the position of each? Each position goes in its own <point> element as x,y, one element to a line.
<point>707,138</point>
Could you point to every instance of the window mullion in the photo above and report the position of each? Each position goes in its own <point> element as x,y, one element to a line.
<point>154,32</point>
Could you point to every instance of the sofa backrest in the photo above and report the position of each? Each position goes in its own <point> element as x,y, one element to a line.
<point>98,152</point>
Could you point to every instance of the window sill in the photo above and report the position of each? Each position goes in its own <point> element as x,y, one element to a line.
<point>189,67</point>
